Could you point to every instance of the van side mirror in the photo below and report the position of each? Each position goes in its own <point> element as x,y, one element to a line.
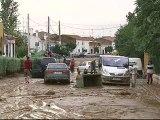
<point>125,65</point>
<point>99,64</point>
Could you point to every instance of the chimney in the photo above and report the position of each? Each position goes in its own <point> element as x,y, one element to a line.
<point>36,33</point>
<point>31,31</point>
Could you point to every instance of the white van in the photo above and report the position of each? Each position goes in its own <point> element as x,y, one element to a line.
<point>114,69</point>
<point>136,63</point>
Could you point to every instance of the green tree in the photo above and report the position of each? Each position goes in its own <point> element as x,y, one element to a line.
<point>126,42</point>
<point>70,46</point>
<point>148,26</point>
<point>96,49</point>
<point>21,44</point>
<point>57,49</point>
<point>9,15</point>
<point>64,49</point>
<point>109,49</point>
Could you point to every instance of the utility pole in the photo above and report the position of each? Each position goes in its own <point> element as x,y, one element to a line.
<point>92,32</point>
<point>47,42</point>
<point>28,36</point>
<point>23,25</point>
<point>60,42</point>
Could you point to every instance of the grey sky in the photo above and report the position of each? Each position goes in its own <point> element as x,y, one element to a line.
<point>93,16</point>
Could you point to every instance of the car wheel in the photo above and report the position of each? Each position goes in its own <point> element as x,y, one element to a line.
<point>33,76</point>
<point>67,82</point>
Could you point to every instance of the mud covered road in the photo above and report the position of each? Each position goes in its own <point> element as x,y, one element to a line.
<point>36,100</point>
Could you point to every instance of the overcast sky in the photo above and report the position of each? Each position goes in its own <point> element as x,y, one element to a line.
<point>82,17</point>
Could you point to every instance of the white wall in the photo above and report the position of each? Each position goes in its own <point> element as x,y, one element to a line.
<point>33,40</point>
<point>81,44</point>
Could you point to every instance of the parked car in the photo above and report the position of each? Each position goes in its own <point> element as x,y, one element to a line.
<point>90,55</point>
<point>39,67</point>
<point>57,72</point>
<point>78,55</point>
<point>86,65</point>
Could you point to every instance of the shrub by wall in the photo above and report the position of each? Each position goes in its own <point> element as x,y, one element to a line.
<point>13,65</point>
<point>156,62</point>
<point>10,65</point>
<point>3,65</point>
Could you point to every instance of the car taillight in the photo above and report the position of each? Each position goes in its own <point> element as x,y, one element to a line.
<point>49,71</point>
<point>65,72</point>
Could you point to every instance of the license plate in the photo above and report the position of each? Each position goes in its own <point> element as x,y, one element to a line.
<point>58,72</point>
<point>116,79</point>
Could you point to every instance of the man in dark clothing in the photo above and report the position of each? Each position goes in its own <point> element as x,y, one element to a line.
<point>64,59</point>
<point>93,67</point>
<point>27,69</point>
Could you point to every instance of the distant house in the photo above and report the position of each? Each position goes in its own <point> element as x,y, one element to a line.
<point>9,45</point>
<point>104,42</point>
<point>82,43</point>
<point>112,39</point>
<point>37,40</point>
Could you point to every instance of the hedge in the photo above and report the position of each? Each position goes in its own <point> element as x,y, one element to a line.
<point>10,65</point>
<point>156,62</point>
<point>3,65</point>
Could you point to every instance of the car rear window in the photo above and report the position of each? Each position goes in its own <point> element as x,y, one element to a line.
<point>57,66</point>
<point>48,60</point>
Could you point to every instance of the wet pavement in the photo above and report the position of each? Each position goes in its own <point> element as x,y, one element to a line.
<point>36,100</point>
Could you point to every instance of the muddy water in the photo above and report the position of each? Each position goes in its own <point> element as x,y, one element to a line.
<point>37,100</point>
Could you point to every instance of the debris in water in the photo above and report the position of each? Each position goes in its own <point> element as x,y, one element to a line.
<point>50,93</point>
<point>48,105</point>
<point>124,93</point>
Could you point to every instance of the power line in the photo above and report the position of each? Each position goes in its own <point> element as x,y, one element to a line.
<point>91,28</point>
<point>82,24</point>
<point>37,23</point>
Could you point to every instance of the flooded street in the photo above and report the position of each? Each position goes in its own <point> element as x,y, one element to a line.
<point>37,100</point>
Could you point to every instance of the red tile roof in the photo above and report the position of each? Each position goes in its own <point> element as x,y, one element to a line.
<point>80,38</point>
<point>112,39</point>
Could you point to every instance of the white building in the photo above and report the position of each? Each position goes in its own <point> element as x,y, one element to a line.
<point>9,46</point>
<point>106,41</point>
<point>82,44</point>
<point>37,40</point>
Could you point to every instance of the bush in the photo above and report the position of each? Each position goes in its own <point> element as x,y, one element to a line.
<point>9,65</point>
<point>13,65</point>
<point>3,63</point>
<point>39,54</point>
<point>35,60</point>
<point>156,62</point>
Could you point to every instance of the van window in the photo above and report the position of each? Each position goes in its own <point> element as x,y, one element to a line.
<point>115,61</point>
<point>132,63</point>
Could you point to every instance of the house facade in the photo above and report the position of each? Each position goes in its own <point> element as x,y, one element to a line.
<point>104,42</point>
<point>37,40</point>
<point>82,43</point>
